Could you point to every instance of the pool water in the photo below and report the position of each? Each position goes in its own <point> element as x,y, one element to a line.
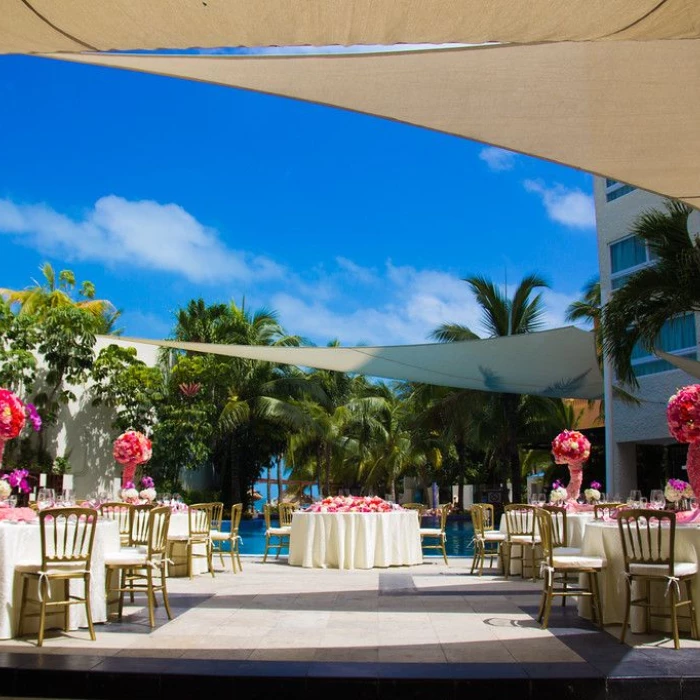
<point>459,537</point>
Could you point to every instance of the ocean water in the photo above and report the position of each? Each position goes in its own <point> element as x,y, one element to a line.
<point>459,537</point>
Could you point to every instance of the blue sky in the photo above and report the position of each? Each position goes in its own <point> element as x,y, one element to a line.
<point>351,227</point>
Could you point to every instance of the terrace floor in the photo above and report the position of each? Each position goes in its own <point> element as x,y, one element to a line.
<point>419,630</point>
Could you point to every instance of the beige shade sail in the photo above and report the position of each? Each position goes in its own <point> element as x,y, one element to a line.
<point>558,363</point>
<point>687,364</point>
<point>40,26</point>
<point>624,109</point>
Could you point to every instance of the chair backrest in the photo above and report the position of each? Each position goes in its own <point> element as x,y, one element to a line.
<point>419,507</point>
<point>138,531</point>
<point>489,516</point>
<point>217,515</point>
<point>477,513</point>
<point>268,510</point>
<point>200,519</point>
<point>286,511</point>
<point>67,536</point>
<point>604,510</point>
<point>121,514</point>
<point>444,512</point>
<point>545,525</point>
<point>158,526</point>
<point>648,537</point>
<point>521,519</point>
<point>236,515</point>
<point>560,536</point>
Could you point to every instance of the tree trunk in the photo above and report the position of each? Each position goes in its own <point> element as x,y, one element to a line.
<point>461,472</point>
<point>279,479</point>
<point>319,460</point>
<point>327,459</point>
<point>510,404</point>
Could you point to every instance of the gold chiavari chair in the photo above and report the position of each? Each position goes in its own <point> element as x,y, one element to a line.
<point>281,534</point>
<point>121,514</point>
<point>198,535</point>
<point>557,567</point>
<point>286,512</point>
<point>648,546</point>
<point>420,508</point>
<point>437,535</point>
<point>521,520</point>
<point>487,543</point>
<point>220,537</point>
<point>67,537</point>
<point>137,567</point>
<point>489,516</point>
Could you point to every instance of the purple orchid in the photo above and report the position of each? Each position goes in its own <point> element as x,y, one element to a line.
<point>596,485</point>
<point>147,482</point>
<point>33,416</point>
<point>19,479</point>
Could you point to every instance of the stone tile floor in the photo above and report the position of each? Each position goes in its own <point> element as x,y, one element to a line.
<point>429,614</point>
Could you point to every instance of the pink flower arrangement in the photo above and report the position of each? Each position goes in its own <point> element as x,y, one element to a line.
<point>19,479</point>
<point>683,414</point>
<point>353,504</point>
<point>12,415</point>
<point>132,448</point>
<point>570,446</point>
<point>677,489</point>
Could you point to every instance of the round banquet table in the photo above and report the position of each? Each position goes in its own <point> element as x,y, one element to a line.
<point>355,540</point>
<point>22,542</point>
<point>602,539</point>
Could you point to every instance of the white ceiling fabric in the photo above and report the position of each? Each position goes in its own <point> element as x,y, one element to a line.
<point>559,363</point>
<point>688,365</point>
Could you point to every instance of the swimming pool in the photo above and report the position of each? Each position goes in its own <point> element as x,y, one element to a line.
<point>459,537</point>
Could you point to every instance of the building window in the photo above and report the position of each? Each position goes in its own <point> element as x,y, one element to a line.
<point>677,336</point>
<point>615,189</point>
<point>628,256</point>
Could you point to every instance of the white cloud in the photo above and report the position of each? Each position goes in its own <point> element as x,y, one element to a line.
<point>497,159</point>
<point>142,234</point>
<point>572,208</point>
<point>363,275</point>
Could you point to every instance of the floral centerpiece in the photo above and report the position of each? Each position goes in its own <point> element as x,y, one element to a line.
<point>558,494</point>
<point>13,417</point>
<point>683,416</point>
<point>353,504</point>
<point>572,448</point>
<point>677,490</point>
<point>592,494</point>
<point>130,493</point>
<point>148,492</point>
<point>131,449</point>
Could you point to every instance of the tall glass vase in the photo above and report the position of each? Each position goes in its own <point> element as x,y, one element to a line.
<point>573,490</point>
<point>693,467</point>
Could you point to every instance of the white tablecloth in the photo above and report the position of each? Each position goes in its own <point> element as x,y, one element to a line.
<point>603,539</point>
<point>355,540</point>
<point>22,542</point>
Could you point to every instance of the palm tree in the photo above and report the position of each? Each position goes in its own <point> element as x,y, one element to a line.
<point>56,291</point>
<point>670,287</point>
<point>503,316</point>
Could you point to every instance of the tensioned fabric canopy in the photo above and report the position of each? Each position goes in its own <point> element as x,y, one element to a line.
<point>559,363</point>
<point>608,86</point>
<point>688,365</point>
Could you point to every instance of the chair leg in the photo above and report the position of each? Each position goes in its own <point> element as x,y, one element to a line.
<point>66,607</point>
<point>188,552</point>
<point>22,607</point>
<point>122,586</point>
<point>151,597</point>
<point>674,617</point>
<point>88,607</point>
<point>548,605</point>
<point>693,618</point>
<point>594,609</point>
<point>210,559</point>
<point>267,546</point>
<point>475,560</point>
<point>506,552</point>
<point>628,605</point>
<point>164,589</point>
<point>43,594</point>
<point>597,599</point>
<point>444,553</point>
<point>647,610</point>
<point>543,600</point>
<point>238,556</point>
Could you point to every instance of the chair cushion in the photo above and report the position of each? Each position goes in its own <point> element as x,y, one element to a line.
<point>55,570</point>
<point>524,539</point>
<point>278,531</point>
<point>577,562</point>
<point>567,551</point>
<point>680,568</point>
<point>431,532</point>
<point>127,556</point>
<point>494,536</point>
<point>219,536</point>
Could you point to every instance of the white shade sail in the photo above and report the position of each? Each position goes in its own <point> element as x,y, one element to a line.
<point>687,364</point>
<point>558,363</point>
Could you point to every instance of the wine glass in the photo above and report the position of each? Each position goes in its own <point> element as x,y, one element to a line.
<point>634,498</point>
<point>657,499</point>
<point>12,501</point>
<point>45,498</point>
<point>68,497</point>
